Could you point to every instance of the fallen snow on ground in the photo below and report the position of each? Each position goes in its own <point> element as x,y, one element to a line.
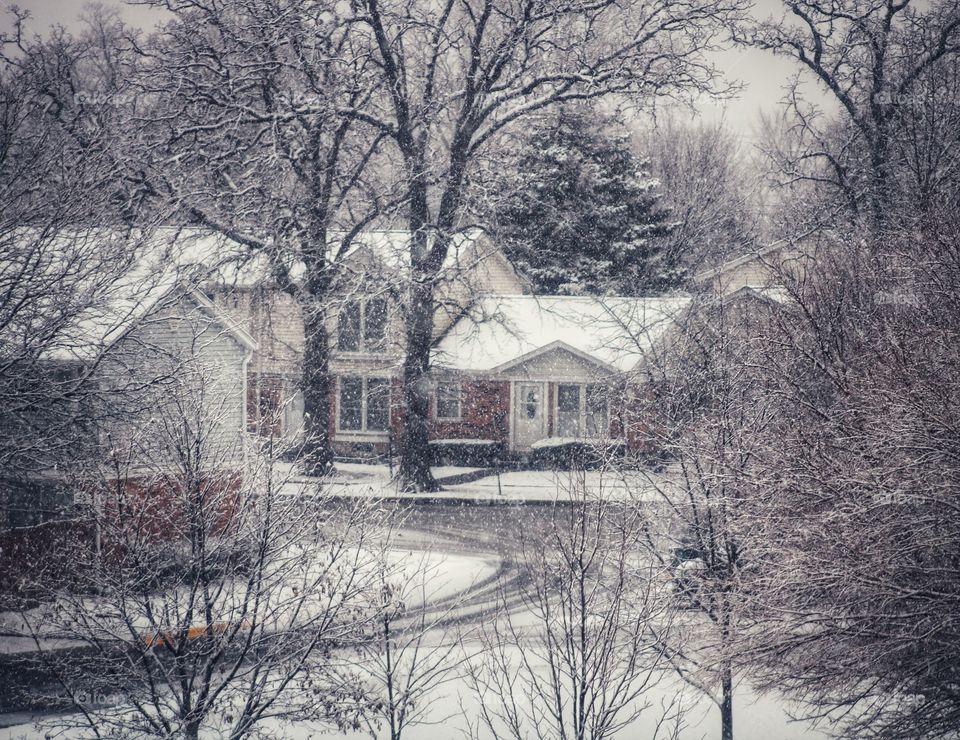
<point>509,487</point>
<point>756,717</point>
<point>434,577</point>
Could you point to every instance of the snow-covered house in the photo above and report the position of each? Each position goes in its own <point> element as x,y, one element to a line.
<point>535,371</point>
<point>509,369</point>
<point>151,344</point>
<point>761,272</point>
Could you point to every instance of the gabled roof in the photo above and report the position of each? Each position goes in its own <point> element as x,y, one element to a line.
<point>744,259</point>
<point>161,271</point>
<point>774,296</point>
<point>557,346</point>
<point>503,331</point>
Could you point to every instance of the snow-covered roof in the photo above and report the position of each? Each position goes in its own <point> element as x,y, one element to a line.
<point>161,268</point>
<point>235,265</point>
<point>756,255</point>
<point>503,331</point>
<point>776,295</point>
<point>194,257</point>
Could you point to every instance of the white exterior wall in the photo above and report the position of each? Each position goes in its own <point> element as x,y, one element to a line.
<point>178,363</point>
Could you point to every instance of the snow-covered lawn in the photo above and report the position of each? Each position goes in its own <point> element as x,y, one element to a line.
<point>756,717</point>
<point>541,486</point>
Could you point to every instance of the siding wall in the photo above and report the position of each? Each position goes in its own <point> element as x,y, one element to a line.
<point>275,320</point>
<point>178,363</point>
<point>762,271</point>
<point>559,365</point>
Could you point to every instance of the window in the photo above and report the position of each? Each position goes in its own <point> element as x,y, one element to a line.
<point>378,404</point>
<point>448,400</point>
<point>364,404</point>
<point>568,410</point>
<point>348,328</point>
<point>581,408</point>
<point>264,406</point>
<point>351,404</point>
<point>531,401</point>
<point>375,324</point>
<point>362,326</point>
<point>596,408</point>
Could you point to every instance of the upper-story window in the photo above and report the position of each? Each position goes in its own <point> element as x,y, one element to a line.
<point>362,326</point>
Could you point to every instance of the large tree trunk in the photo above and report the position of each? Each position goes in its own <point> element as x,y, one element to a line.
<point>414,442</point>
<point>317,451</point>
<point>726,704</point>
<point>426,262</point>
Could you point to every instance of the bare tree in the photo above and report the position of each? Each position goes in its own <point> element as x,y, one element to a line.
<point>238,108</point>
<point>868,57</point>
<point>456,75</point>
<point>218,595</point>
<point>704,411</point>
<point>576,653</point>
<point>417,648</point>
<point>857,569</point>
<point>704,171</point>
<point>66,247</point>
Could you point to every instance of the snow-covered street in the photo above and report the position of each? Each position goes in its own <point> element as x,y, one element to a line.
<point>471,555</point>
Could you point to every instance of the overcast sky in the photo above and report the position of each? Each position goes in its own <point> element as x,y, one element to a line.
<point>762,74</point>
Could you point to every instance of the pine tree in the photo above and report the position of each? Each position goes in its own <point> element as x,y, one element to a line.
<point>581,214</point>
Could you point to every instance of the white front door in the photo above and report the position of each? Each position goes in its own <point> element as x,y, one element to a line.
<point>529,414</point>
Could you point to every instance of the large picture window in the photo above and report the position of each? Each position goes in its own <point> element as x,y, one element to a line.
<point>362,326</point>
<point>363,404</point>
<point>581,410</point>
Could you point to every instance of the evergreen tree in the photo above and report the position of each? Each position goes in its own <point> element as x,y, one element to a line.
<point>581,214</point>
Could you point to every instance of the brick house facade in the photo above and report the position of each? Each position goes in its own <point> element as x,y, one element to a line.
<point>509,369</point>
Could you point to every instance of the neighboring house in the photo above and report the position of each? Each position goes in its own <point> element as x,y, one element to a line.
<point>154,350</point>
<point>515,371</point>
<point>157,400</point>
<point>763,271</point>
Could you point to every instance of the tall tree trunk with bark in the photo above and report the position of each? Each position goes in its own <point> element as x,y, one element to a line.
<point>317,449</point>
<point>317,453</point>
<point>726,703</point>
<point>414,441</point>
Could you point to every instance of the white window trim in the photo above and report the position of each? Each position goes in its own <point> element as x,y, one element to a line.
<point>436,399</point>
<point>583,411</point>
<point>363,350</point>
<point>363,431</point>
